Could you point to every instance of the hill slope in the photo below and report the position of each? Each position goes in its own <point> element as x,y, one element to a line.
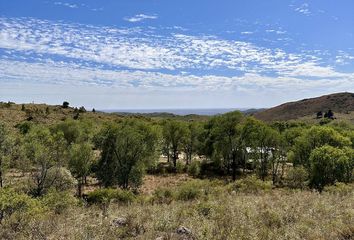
<point>339,103</point>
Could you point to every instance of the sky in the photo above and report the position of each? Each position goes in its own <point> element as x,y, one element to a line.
<point>150,54</point>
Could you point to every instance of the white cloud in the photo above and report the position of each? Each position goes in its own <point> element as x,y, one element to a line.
<point>303,9</point>
<point>344,58</point>
<point>70,74</point>
<point>135,57</point>
<point>65,4</point>
<point>139,18</point>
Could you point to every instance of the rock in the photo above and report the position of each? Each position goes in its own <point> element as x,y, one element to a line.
<point>184,231</point>
<point>119,222</point>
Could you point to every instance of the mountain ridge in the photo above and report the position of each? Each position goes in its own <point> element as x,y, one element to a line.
<point>342,103</point>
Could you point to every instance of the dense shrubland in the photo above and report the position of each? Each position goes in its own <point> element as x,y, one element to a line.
<point>252,180</point>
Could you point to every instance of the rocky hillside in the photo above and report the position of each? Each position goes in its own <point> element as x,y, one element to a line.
<point>341,104</point>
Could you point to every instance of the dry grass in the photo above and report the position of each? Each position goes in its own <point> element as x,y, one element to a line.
<point>218,214</point>
<point>153,182</point>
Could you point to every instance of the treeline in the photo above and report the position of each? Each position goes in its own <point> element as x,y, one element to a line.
<point>120,153</point>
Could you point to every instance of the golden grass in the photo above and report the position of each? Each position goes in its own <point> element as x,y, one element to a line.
<point>219,214</point>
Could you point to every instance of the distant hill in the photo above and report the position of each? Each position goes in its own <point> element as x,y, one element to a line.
<point>342,104</point>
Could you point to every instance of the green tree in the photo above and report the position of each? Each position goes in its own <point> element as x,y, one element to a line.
<point>126,149</point>
<point>5,150</point>
<point>65,104</point>
<point>70,129</point>
<point>46,152</point>
<point>190,141</point>
<point>315,137</point>
<point>328,165</point>
<point>263,142</point>
<point>228,141</point>
<point>80,161</point>
<point>174,133</point>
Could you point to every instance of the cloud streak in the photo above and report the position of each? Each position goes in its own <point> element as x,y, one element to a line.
<point>140,17</point>
<point>43,52</point>
<point>65,4</point>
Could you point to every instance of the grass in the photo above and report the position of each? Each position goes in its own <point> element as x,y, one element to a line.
<point>209,209</point>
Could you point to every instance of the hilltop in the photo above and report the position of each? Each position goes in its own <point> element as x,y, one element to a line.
<point>342,104</point>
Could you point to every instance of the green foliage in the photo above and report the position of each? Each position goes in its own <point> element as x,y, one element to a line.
<point>80,162</point>
<point>191,143</point>
<point>339,188</point>
<point>58,201</point>
<point>227,143</point>
<point>297,177</point>
<point>127,148</point>
<point>4,152</point>
<point>174,134</point>
<point>162,196</point>
<point>70,129</point>
<point>189,191</point>
<point>250,184</point>
<point>316,136</point>
<point>194,169</point>
<point>65,104</point>
<point>15,205</point>
<point>24,127</point>
<point>328,165</point>
<point>262,140</point>
<point>60,179</point>
<point>180,167</point>
<point>45,151</point>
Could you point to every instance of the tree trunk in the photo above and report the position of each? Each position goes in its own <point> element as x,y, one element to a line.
<point>79,188</point>
<point>1,180</point>
<point>233,167</point>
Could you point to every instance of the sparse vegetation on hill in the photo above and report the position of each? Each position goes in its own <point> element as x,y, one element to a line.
<point>68,173</point>
<point>341,104</point>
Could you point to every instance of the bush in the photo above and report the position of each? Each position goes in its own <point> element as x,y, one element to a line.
<point>59,202</point>
<point>65,104</point>
<point>328,165</point>
<point>180,167</point>
<point>250,184</point>
<point>60,179</point>
<point>297,177</point>
<point>204,209</point>
<point>162,196</point>
<point>194,169</point>
<point>339,188</point>
<point>18,206</point>
<point>24,127</point>
<point>189,191</point>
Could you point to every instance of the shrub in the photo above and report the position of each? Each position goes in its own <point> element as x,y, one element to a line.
<point>24,127</point>
<point>189,191</point>
<point>65,104</point>
<point>194,169</point>
<point>59,202</point>
<point>297,177</point>
<point>180,167</point>
<point>328,165</point>
<point>339,188</point>
<point>60,179</point>
<point>17,205</point>
<point>204,208</point>
<point>250,184</point>
<point>162,196</point>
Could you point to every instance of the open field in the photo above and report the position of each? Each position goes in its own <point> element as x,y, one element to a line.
<point>213,210</point>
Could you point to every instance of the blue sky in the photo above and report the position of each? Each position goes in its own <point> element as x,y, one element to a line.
<point>175,54</point>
